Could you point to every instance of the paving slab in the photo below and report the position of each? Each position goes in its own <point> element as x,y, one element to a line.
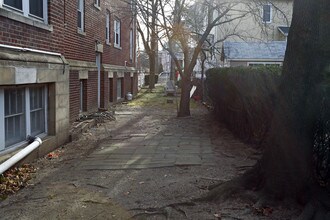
<point>174,142</point>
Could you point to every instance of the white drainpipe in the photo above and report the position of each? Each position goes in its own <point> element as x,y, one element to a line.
<point>20,155</point>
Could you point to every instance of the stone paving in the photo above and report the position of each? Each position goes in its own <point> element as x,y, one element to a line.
<point>180,142</point>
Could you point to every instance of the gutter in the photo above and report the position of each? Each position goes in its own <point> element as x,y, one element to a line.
<point>34,143</point>
<point>29,50</point>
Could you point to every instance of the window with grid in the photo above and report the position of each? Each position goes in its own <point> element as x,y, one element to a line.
<point>117,33</point>
<point>23,112</point>
<point>131,45</point>
<point>119,88</point>
<point>266,13</point>
<point>37,110</point>
<point>80,18</point>
<point>107,28</point>
<point>14,108</point>
<point>29,8</point>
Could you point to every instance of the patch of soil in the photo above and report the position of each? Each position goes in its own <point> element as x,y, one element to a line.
<point>61,190</point>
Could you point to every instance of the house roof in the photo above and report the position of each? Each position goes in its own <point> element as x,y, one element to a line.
<point>273,50</point>
<point>284,30</point>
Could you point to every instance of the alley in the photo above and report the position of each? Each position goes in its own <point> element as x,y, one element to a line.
<point>147,164</point>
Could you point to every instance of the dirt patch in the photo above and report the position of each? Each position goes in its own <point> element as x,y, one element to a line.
<point>61,190</point>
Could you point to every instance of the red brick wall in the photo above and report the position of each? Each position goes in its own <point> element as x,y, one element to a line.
<point>82,47</point>
<point>74,88</point>
<point>104,90</point>
<point>78,46</point>
<point>65,39</point>
<point>111,54</point>
<point>111,90</point>
<point>19,34</point>
<point>92,91</point>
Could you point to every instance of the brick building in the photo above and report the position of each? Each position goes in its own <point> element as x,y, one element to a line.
<point>59,59</point>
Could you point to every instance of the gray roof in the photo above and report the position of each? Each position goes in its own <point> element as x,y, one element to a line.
<point>284,30</point>
<point>273,50</point>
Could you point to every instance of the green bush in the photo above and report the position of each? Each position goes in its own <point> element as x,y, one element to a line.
<point>244,99</point>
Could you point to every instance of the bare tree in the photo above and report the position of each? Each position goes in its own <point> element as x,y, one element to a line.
<point>188,25</point>
<point>147,12</point>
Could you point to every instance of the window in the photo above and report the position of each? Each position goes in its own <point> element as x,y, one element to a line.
<point>82,95</point>
<point>81,4</point>
<point>22,113</point>
<point>117,33</point>
<point>131,45</point>
<point>97,3</point>
<point>266,13</point>
<point>119,88</point>
<point>107,28</point>
<point>258,64</point>
<point>29,8</point>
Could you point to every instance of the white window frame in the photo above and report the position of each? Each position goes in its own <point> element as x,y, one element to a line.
<point>264,63</point>
<point>270,13</point>
<point>27,117</point>
<point>117,29</point>
<point>120,82</point>
<point>26,10</point>
<point>81,9</point>
<point>131,44</point>
<point>107,27</point>
<point>97,3</point>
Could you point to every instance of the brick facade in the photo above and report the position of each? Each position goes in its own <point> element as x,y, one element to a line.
<point>73,72</point>
<point>74,84</point>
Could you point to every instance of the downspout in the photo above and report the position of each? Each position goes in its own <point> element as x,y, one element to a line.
<point>36,142</point>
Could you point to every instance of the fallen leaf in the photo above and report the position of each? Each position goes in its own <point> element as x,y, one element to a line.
<point>217,215</point>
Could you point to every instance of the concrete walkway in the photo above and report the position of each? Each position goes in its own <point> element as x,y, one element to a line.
<point>175,142</point>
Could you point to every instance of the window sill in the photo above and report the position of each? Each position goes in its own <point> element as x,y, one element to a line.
<point>97,7</point>
<point>81,32</point>
<point>117,47</point>
<point>26,20</point>
<point>108,43</point>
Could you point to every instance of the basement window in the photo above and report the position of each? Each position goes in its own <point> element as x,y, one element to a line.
<point>23,112</point>
<point>29,8</point>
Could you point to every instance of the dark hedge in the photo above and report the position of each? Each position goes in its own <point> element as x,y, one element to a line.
<point>146,79</point>
<point>244,99</point>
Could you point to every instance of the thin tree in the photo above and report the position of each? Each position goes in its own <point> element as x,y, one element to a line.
<point>189,26</point>
<point>147,12</point>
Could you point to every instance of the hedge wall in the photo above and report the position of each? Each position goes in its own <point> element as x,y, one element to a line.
<point>244,99</point>
<point>146,79</point>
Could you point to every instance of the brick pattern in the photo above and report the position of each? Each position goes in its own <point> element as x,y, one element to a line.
<point>104,90</point>
<point>20,34</point>
<point>92,92</point>
<point>65,39</point>
<point>74,88</point>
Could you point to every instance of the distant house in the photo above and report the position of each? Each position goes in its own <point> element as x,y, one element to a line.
<point>259,37</point>
<point>253,53</point>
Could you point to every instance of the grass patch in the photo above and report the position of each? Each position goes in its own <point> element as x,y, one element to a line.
<point>156,98</point>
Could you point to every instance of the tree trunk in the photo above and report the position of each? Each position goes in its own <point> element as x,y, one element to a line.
<point>153,45</point>
<point>287,168</point>
<point>152,68</point>
<point>184,109</point>
<point>287,163</point>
